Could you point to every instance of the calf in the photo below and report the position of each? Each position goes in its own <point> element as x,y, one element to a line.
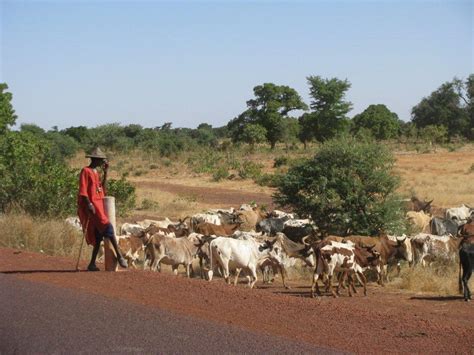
<point>331,255</point>
<point>132,248</point>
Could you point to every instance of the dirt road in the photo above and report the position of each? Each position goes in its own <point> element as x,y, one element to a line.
<point>382,322</point>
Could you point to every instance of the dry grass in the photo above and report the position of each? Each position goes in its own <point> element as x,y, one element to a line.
<point>50,237</point>
<point>438,278</point>
<point>444,176</point>
<point>168,204</point>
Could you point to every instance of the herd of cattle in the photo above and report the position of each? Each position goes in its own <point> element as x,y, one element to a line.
<point>249,239</point>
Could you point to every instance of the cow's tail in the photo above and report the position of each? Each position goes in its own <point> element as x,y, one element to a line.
<point>460,278</point>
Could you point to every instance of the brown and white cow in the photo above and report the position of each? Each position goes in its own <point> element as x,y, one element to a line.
<point>332,256</point>
<point>390,248</point>
<point>429,247</point>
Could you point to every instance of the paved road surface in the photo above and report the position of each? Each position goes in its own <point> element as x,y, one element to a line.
<point>39,318</point>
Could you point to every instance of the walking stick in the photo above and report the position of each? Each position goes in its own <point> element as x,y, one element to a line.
<point>82,244</point>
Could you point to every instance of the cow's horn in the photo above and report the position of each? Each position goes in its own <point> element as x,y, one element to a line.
<point>304,240</point>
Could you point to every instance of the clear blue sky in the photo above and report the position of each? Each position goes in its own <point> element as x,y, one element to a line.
<point>188,62</point>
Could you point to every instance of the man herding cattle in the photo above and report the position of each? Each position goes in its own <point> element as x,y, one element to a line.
<point>91,212</point>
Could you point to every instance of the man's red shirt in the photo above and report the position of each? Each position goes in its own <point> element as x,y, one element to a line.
<point>91,187</point>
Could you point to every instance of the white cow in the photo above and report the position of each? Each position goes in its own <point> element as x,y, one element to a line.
<point>242,254</point>
<point>460,215</point>
<point>74,222</point>
<point>207,217</point>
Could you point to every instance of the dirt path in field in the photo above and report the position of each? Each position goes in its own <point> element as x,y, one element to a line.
<point>384,321</point>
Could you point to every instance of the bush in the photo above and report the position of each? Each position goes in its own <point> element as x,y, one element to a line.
<point>348,187</point>
<point>220,173</point>
<point>150,205</point>
<point>124,193</point>
<point>280,161</point>
<point>34,178</point>
<point>250,170</point>
<point>270,180</point>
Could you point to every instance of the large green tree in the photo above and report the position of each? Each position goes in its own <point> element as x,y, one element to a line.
<point>447,107</point>
<point>7,113</point>
<point>269,108</point>
<point>328,108</point>
<point>348,187</point>
<point>379,120</point>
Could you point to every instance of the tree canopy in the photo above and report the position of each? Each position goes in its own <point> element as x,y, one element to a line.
<point>379,120</point>
<point>272,103</point>
<point>7,113</point>
<point>348,187</point>
<point>450,106</point>
<point>329,108</point>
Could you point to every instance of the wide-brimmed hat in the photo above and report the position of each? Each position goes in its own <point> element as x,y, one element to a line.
<point>96,153</point>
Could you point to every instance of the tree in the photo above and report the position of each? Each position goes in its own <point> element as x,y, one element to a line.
<point>348,187</point>
<point>307,128</point>
<point>291,131</point>
<point>383,123</point>
<point>329,109</point>
<point>269,108</point>
<point>253,133</point>
<point>444,107</point>
<point>434,134</point>
<point>7,113</point>
<point>80,133</point>
<point>32,128</point>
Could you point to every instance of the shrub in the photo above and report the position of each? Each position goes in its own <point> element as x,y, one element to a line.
<point>220,173</point>
<point>270,180</point>
<point>280,161</point>
<point>124,193</point>
<point>250,170</point>
<point>139,172</point>
<point>34,178</point>
<point>348,187</point>
<point>154,166</point>
<point>148,204</point>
